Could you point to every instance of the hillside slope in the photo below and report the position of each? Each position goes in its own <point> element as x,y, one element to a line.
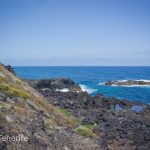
<point>24,111</point>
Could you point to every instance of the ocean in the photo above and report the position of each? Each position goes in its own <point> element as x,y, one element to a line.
<point>92,79</point>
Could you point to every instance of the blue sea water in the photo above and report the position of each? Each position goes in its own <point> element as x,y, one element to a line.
<point>92,79</point>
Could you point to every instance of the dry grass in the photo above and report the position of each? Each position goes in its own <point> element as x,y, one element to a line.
<point>15,87</point>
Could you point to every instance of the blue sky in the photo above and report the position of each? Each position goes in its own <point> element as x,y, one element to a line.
<point>75,32</point>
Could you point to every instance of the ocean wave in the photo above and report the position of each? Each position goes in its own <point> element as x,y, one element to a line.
<point>63,90</point>
<point>87,89</point>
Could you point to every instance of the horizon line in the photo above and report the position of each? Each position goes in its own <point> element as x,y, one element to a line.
<point>79,66</point>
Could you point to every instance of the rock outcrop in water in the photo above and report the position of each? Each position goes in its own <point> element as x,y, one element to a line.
<point>71,120</point>
<point>55,84</point>
<point>128,83</point>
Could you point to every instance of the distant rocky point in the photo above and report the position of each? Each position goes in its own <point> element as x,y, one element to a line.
<point>9,68</point>
<point>57,84</point>
<point>128,83</point>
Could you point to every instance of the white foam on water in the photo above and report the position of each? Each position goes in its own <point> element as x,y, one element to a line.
<point>134,85</point>
<point>63,90</point>
<point>143,80</point>
<point>122,80</point>
<point>44,89</point>
<point>89,90</point>
<point>133,80</point>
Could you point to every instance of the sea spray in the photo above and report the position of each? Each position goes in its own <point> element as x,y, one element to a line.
<point>63,90</point>
<point>87,89</point>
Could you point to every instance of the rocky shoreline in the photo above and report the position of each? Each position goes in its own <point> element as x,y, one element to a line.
<point>119,122</point>
<point>56,114</point>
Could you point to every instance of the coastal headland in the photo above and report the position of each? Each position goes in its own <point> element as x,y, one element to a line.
<point>57,114</point>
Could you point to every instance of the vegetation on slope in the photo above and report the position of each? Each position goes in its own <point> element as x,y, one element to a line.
<point>13,86</point>
<point>55,117</point>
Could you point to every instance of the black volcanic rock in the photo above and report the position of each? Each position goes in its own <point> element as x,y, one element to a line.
<point>116,128</point>
<point>54,84</point>
<point>9,68</point>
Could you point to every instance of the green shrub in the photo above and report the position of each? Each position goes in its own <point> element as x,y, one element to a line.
<point>85,130</point>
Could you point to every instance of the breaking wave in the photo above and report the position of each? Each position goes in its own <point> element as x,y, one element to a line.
<point>63,90</point>
<point>87,89</point>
